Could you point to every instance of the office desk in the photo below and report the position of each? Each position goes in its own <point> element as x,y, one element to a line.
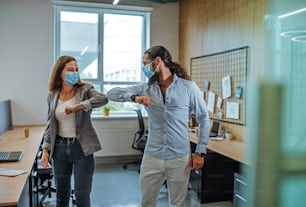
<point>229,148</point>
<point>215,181</point>
<point>14,190</point>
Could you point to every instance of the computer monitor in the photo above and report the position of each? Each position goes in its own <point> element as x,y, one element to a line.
<point>5,116</point>
<point>214,129</point>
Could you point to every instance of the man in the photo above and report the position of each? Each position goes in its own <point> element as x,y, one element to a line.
<point>169,99</point>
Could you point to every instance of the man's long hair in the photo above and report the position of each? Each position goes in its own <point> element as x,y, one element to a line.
<point>163,53</point>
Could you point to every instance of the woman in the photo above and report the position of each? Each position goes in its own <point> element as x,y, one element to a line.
<point>69,138</point>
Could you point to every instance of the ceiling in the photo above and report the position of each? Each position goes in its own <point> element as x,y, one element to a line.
<point>150,1</point>
<point>125,1</point>
<point>163,1</point>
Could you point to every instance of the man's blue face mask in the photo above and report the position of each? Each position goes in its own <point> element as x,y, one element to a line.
<point>147,71</point>
<point>72,78</point>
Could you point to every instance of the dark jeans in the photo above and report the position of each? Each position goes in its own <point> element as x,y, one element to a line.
<point>68,158</point>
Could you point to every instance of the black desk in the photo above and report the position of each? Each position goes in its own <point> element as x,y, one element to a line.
<point>215,181</point>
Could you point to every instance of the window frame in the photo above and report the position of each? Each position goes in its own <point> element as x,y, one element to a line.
<point>100,10</point>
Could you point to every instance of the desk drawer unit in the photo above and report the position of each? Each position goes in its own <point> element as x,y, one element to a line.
<point>214,182</point>
<point>240,189</point>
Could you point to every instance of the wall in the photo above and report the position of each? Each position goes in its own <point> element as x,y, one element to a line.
<point>26,39</point>
<point>165,27</point>
<point>25,57</point>
<point>209,26</point>
<point>116,136</point>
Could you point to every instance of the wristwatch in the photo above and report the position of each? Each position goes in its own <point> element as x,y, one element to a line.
<point>200,154</point>
<point>133,97</point>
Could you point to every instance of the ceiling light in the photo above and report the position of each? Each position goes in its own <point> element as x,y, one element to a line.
<point>301,38</point>
<point>292,13</point>
<point>84,50</point>
<point>115,2</point>
<point>293,33</point>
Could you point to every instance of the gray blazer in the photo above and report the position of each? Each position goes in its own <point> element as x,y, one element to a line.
<point>85,132</point>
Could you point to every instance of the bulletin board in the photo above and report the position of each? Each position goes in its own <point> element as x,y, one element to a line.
<point>222,77</point>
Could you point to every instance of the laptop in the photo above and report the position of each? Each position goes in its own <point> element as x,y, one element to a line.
<point>10,156</point>
<point>215,129</point>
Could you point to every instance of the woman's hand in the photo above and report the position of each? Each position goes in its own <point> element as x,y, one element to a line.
<point>45,158</point>
<point>73,108</point>
<point>144,100</point>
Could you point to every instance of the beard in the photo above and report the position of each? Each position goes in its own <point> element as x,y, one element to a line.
<point>154,78</point>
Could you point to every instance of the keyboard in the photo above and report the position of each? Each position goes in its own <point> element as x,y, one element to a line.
<point>10,156</point>
<point>213,134</point>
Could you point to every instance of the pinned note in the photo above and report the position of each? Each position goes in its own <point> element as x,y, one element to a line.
<point>211,101</point>
<point>226,87</point>
<point>232,110</point>
<point>219,102</point>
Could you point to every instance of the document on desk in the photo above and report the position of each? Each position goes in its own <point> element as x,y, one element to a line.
<point>11,173</point>
<point>216,138</point>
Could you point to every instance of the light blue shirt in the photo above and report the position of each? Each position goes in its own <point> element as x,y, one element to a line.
<point>168,122</point>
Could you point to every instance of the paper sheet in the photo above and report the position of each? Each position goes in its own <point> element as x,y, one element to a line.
<point>232,110</point>
<point>206,85</point>
<point>211,101</point>
<point>10,173</point>
<point>226,87</point>
<point>219,102</point>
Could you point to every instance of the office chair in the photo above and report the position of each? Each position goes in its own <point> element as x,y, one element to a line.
<point>43,187</point>
<point>42,181</point>
<point>139,141</point>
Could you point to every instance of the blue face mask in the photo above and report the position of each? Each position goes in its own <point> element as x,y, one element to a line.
<point>147,71</point>
<point>72,78</point>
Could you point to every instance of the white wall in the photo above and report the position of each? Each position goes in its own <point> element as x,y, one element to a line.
<point>164,27</point>
<point>116,136</point>
<point>26,39</point>
<point>25,57</point>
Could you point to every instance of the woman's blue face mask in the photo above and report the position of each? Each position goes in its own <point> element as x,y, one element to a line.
<point>72,78</point>
<point>147,71</point>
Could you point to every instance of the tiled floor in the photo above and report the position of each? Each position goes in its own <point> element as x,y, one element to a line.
<point>115,187</point>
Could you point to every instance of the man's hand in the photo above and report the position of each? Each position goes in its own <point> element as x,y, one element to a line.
<point>196,162</point>
<point>144,100</point>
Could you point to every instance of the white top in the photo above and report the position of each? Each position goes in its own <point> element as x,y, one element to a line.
<point>66,122</point>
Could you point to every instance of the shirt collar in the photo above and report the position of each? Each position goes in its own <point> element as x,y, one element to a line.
<point>174,81</point>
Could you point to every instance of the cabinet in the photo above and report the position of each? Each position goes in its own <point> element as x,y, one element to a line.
<point>240,190</point>
<point>214,182</point>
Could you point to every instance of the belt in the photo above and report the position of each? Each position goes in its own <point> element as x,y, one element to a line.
<point>67,139</point>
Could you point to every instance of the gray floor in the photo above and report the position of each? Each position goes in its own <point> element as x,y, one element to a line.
<point>115,187</point>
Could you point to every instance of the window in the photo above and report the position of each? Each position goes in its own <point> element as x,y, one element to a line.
<point>108,45</point>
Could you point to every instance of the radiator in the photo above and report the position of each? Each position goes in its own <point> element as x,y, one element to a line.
<point>116,142</point>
